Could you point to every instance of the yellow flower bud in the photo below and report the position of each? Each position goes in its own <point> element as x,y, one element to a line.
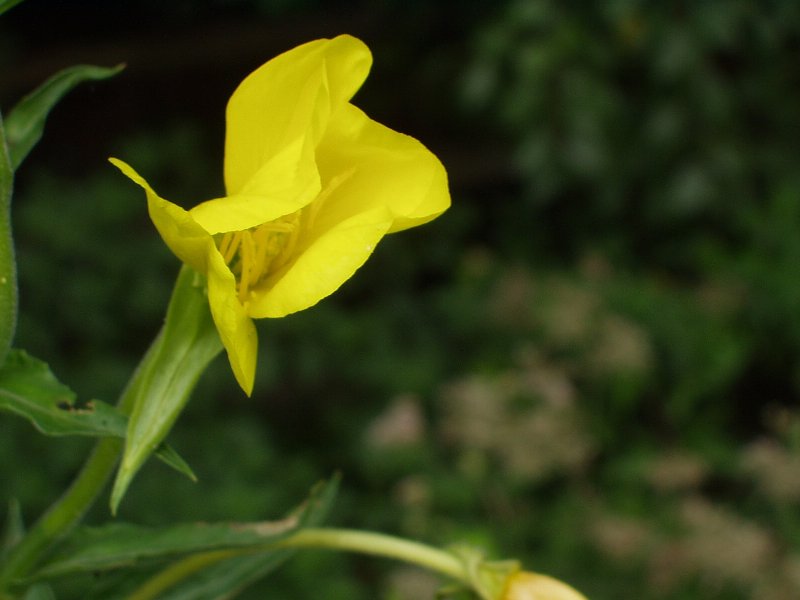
<point>524,585</point>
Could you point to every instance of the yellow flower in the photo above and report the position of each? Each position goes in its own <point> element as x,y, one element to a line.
<point>312,185</point>
<point>533,586</point>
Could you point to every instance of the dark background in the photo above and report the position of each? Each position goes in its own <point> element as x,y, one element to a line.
<point>590,362</point>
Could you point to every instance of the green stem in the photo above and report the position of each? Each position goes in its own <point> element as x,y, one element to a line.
<point>349,540</point>
<point>378,544</point>
<point>65,512</point>
<point>179,571</point>
<point>70,508</point>
<point>8,266</point>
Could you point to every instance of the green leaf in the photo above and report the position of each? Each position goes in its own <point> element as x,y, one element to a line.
<point>7,5</point>
<point>29,389</point>
<point>222,579</point>
<point>168,374</point>
<point>124,545</point>
<point>25,122</point>
<point>23,127</point>
<point>168,455</point>
<point>14,529</point>
<point>117,545</point>
<point>40,591</point>
<point>8,265</point>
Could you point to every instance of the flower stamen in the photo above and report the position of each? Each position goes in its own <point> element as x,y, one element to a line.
<point>251,253</point>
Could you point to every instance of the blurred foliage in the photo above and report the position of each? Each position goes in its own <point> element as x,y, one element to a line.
<point>671,120</point>
<point>590,362</point>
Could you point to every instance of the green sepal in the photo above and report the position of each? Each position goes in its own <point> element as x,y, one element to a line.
<point>29,389</point>
<point>166,376</point>
<point>121,545</point>
<point>488,579</point>
<point>8,265</point>
<point>25,122</point>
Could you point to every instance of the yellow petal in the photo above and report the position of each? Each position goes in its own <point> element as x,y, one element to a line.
<point>390,169</point>
<point>187,240</point>
<point>236,329</point>
<point>322,263</point>
<point>291,97</point>
<point>533,586</point>
<point>283,185</point>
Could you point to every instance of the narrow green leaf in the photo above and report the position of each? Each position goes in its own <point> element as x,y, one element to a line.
<point>7,5</point>
<point>92,549</point>
<point>224,579</point>
<point>8,265</point>
<point>169,456</point>
<point>123,545</point>
<point>40,591</point>
<point>14,529</point>
<point>29,389</point>
<point>25,122</point>
<point>218,578</point>
<point>187,343</point>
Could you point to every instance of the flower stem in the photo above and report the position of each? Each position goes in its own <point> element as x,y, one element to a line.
<point>70,508</point>
<point>65,512</point>
<point>178,571</point>
<point>378,544</point>
<point>8,268</point>
<point>349,540</point>
<point>73,504</point>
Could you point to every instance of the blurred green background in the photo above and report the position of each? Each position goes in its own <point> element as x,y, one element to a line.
<point>591,362</point>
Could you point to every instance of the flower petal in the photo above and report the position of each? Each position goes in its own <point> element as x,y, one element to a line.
<point>184,236</point>
<point>322,263</point>
<point>195,246</point>
<point>283,185</point>
<point>236,329</point>
<point>390,169</point>
<point>289,98</point>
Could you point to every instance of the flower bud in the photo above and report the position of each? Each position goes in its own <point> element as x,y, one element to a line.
<point>524,585</point>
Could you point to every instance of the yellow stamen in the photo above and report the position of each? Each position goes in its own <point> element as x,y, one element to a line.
<point>230,244</point>
<point>248,267</point>
<point>252,254</point>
